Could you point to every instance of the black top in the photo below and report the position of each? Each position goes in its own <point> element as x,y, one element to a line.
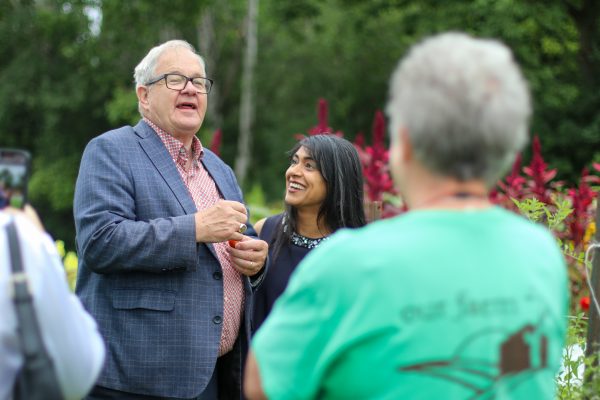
<point>280,269</point>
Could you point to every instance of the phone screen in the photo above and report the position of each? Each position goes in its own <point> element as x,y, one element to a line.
<point>14,173</point>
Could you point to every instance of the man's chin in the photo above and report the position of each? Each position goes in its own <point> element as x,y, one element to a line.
<point>190,127</point>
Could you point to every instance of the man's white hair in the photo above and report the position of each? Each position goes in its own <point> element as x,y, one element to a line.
<point>465,106</point>
<point>145,71</point>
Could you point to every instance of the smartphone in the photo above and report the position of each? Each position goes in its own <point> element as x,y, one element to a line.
<point>14,175</point>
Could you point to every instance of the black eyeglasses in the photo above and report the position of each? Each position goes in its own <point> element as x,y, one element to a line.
<point>178,82</point>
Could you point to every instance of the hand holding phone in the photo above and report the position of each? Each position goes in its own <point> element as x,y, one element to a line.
<point>14,175</point>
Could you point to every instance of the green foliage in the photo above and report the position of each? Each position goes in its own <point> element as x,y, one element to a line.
<point>122,108</point>
<point>575,365</point>
<point>537,211</point>
<point>258,206</point>
<point>70,263</point>
<point>580,377</point>
<point>554,218</point>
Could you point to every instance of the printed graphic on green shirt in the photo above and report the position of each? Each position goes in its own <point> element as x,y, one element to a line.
<point>520,354</point>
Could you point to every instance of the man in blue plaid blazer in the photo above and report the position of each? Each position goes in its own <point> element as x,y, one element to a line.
<point>154,267</point>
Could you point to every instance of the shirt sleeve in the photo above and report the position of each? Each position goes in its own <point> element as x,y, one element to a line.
<point>69,332</point>
<point>294,348</point>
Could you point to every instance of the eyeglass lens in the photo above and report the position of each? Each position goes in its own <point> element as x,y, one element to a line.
<point>178,82</point>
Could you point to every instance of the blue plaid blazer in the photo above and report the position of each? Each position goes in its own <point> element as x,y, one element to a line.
<point>156,294</point>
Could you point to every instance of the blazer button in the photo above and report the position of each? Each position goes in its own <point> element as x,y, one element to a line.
<point>217,320</point>
<point>217,276</point>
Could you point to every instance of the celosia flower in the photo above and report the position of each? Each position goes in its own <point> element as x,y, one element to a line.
<point>584,303</point>
<point>537,170</point>
<point>323,123</point>
<point>322,126</point>
<point>215,143</point>
<point>375,162</point>
<point>510,188</point>
<point>581,201</point>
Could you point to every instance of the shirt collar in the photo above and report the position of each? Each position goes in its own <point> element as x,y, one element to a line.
<point>175,147</point>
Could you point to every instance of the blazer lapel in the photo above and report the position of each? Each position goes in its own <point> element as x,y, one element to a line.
<point>160,157</point>
<point>217,172</point>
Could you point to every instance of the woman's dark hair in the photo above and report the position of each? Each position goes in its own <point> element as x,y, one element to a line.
<point>339,164</point>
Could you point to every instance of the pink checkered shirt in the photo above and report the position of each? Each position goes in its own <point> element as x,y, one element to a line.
<point>204,192</point>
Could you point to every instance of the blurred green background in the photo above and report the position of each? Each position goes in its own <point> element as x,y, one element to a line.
<point>66,70</point>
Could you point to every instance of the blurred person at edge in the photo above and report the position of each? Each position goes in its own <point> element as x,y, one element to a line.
<point>69,334</point>
<point>454,299</point>
<point>324,192</point>
<point>153,213</point>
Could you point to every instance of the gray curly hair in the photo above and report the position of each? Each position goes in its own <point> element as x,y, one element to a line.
<point>464,103</point>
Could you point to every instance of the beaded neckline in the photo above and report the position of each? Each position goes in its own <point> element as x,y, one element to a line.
<point>303,241</point>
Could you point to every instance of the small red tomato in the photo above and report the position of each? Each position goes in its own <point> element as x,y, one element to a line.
<point>584,303</point>
<point>232,242</point>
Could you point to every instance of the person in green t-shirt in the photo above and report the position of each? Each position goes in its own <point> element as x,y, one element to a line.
<point>455,299</point>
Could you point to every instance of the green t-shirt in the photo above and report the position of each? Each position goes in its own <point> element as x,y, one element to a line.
<point>428,305</point>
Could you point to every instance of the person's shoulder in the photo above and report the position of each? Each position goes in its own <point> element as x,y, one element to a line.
<point>274,219</point>
<point>369,234</point>
<point>211,156</point>
<point>348,248</point>
<point>21,222</point>
<point>521,224</point>
<point>215,163</point>
<point>29,234</point>
<point>121,133</point>
<point>115,140</point>
<point>259,225</point>
<point>266,227</point>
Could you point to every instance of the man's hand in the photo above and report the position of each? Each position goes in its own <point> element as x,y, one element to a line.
<point>249,255</point>
<point>220,222</point>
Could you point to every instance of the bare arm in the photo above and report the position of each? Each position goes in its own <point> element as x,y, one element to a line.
<point>252,384</point>
<point>258,225</point>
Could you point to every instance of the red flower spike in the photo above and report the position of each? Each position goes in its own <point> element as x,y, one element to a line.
<point>515,180</point>
<point>379,131</point>
<point>539,174</point>
<point>510,188</point>
<point>584,303</point>
<point>323,124</point>
<point>581,202</point>
<point>359,140</point>
<point>593,179</point>
<point>374,158</point>
<point>215,143</point>
<point>323,112</point>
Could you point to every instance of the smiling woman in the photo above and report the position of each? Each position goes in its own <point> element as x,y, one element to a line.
<point>306,187</point>
<point>323,193</point>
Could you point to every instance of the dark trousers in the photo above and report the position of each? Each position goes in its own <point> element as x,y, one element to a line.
<point>102,393</point>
